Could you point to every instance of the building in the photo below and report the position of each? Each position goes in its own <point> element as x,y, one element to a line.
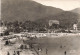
<point>52,28</point>
<point>2,29</point>
<point>78,25</point>
<point>75,26</point>
<point>53,22</point>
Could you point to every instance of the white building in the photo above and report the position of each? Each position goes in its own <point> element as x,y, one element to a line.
<point>2,29</point>
<point>75,27</point>
<point>53,22</point>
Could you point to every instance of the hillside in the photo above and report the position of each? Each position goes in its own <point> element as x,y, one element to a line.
<point>77,10</point>
<point>66,18</point>
<point>22,10</point>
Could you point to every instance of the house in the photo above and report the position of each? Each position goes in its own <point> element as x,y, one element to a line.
<point>2,29</point>
<point>75,27</point>
<point>78,26</point>
<point>53,22</point>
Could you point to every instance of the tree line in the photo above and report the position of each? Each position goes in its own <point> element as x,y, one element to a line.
<point>29,26</point>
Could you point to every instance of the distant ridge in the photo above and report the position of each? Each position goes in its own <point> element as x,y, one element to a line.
<point>77,10</point>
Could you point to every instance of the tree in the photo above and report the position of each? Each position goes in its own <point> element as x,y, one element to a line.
<point>54,26</point>
<point>6,32</point>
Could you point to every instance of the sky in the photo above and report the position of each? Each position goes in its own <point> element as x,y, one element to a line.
<point>0,9</point>
<point>63,4</point>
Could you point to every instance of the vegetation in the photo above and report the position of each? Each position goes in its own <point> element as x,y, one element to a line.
<point>30,26</point>
<point>29,15</point>
<point>18,27</point>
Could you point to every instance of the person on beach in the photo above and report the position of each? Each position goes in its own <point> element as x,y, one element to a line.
<point>8,53</point>
<point>14,53</point>
<point>61,46</point>
<point>7,42</point>
<point>18,53</point>
<point>46,50</point>
<point>39,49</point>
<point>65,53</point>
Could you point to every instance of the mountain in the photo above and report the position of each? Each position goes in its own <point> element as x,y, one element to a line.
<point>77,10</point>
<point>65,18</point>
<point>22,10</point>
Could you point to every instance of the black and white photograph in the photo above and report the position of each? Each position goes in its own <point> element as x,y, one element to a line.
<point>39,27</point>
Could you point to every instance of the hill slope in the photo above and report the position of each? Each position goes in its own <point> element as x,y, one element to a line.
<point>25,10</point>
<point>65,18</point>
<point>77,10</point>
